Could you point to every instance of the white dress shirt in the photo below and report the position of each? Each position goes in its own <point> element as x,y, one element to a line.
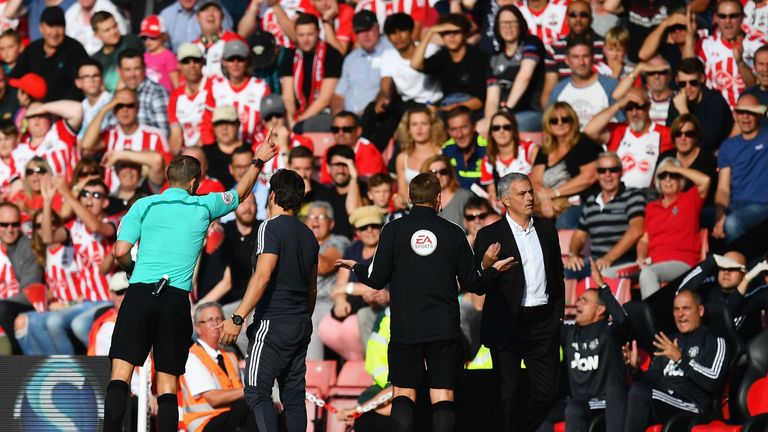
<point>535,293</point>
<point>199,378</point>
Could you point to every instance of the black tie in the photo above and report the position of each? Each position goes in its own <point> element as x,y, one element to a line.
<point>220,360</point>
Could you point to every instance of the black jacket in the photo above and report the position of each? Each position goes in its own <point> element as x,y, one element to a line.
<point>421,256</point>
<point>504,296</point>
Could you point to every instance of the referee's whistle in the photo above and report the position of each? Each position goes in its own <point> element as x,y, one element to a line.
<point>160,286</point>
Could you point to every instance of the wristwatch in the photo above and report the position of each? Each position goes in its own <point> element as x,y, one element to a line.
<point>258,163</point>
<point>237,319</point>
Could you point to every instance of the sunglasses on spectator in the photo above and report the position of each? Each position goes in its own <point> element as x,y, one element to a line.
<point>575,14</point>
<point>150,37</point>
<point>688,134</point>
<point>188,60</point>
<point>236,59</point>
<point>732,16</point>
<point>10,224</point>
<point>692,83</point>
<point>658,72</point>
<point>89,173</point>
<point>345,129</point>
<point>94,195</point>
<point>560,120</point>
<point>269,117</point>
<point>369,227</point>
<point>632,106</point>
<point>606,170</point>
<point>471,217</point>
<point>506,127</point>
<point>120,292</point>
<point>666,174</point>
<point>120,106</point>
<point>440,172</point>
<point>450,32</point>
<point>36,170</point>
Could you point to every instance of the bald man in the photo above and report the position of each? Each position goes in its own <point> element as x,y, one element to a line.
<point>207,184</point>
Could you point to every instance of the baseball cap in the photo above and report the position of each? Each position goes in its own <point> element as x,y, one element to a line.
<point>363,21</point>
<point>33,84</point>
<point>53,15</point>
<point>270,105</point>
<point>187,50</point>
<point>152,26</point>
<point>726,263</point>
<point>235,48</point>
<point>366,215</point>
<point>118,282</point>
<point>225,113</point>
<point>206,3</point>
<point>263,48</point>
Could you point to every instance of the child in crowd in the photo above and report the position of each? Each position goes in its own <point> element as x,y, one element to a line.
<point>10,49</point>
<point>380,195</point>
<point>9,172</point>
<point>615,63</point>
<point>162,66</point>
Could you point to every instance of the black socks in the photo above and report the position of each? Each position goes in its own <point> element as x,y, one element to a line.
<point>114,405</point>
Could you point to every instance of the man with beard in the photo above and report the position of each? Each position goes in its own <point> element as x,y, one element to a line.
<point>657,75</point>
<point>638,142</point>
<point>345,194</point>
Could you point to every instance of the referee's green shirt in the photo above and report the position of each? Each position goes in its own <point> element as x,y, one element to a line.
<point>170,229</point>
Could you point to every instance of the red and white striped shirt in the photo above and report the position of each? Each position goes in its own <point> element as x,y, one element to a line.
<point>246,98</point>
<point>61,274</point>
<point>548,24</point>
<point>144,138</point>
<point>57,148</point>
<point>269,21</point>
<point>213,51</point>
<point>383,8</point>
<point>720,67</point>
<point>342,24</point>
<point>8,171</point>
<point>90,251</point>
<point>639,153</point>
<point>756,17</point>
<point>9,285</point>
<point>522,164</point>
<point>187,112</point>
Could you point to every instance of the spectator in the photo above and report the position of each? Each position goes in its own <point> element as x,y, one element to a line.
<point>741,201</point>
<point>342,329</point>
<point>402,87</point>
<point>10,49</point>
<point>187,102</point>
<point>152,98</point>
<point>564,169</point>
<point>128,167</point>
<point>728,54</point>
<point>236,89</point>
<point>417,9</point>
<point>638,142</point>
<point>612,220</point>
<point>181,18</point>
<point>465,147</point>
<point>128,134</point>
<point>90,80</point>
<point>643,16</point>
<point>516,74</point>
<point>278,19</point>
<point>113,43</point>
<point>21,269</point>
<point>29,199</point>
<point>361,71</point>
<point>33,9</point>
<point>320,220</point>
<point>585,90</point>
<point>478,213</point>
<point>760,90</point>
<point>337,26</point>
<point>79,15</point>
<point>506,152</point>
<point>460,67</point>
<point>615,63</point>
<point>52,140</point>
<point>9,103</point>
<point>312,70</point>
<point>579,22</point>
<point>100,337</point>
<point>207,184</point>
<point>55,57</point>
<point>709,106</point>
<point>301,160</point>
<point>657,75</point>
<point>162,66</point>
<point>219,154</point>
<point>676,381</point>
<point>29,88</point>
<point>213,37</point>
<point>755,16</point>
<point>667,39</point>
<point>380,194</point>
<point>9,170</point>
<point>345,194</point>
<point>546,18</point>
<point>346,131</point>
<point>420,135</point>
<point>452,197</point>
<point>671,243</point>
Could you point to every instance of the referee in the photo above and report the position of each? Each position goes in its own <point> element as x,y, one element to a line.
<point>170,229</point>
<point>283,289</point>
<point>421,256</point>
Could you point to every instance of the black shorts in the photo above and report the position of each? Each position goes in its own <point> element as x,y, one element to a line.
<point>443,361</point>
<point>163,324</point>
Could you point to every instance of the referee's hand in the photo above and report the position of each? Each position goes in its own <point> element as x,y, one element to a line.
<point>229,332</point>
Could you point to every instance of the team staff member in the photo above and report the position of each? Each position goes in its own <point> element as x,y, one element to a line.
<point>523,309</point>
<point>283,291</point>
<point>421,256</point>
<point>171,228</point>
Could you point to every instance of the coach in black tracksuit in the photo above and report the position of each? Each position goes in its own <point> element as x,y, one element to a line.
<point>421,256</point>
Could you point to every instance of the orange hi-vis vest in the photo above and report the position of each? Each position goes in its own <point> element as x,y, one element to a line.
<point>108,316</point>
<point>197,411</point>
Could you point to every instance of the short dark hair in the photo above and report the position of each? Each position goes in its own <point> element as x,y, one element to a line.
<point>378,180</point>
<point>129,53</point>
<point>243,150</point>
<point>305,19</point>
<point>12,34</point>
<point>288,187</point>
<point>8,127</point>
<point>457,112</point>
<point>97,183</point>
<point>299,152</point>
<point>183,169</point>
<point>348,114</point>
<point>477,202</point>
<point>762,49</point>
<point>398,22</point>
<point>424,189</point>
<point>344,151</point>
<point>459,20</point>
<point>90,61</point>
<point>577,41</point>
<point>691,66</point>
<point>696,296</point>
<point>99,17</point>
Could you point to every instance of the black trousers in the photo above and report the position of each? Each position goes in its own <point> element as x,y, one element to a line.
<point>9,310</point>
<point>237,417</point>
<point>644,410</point>
<point>579,413</point>
<point>537,342</point>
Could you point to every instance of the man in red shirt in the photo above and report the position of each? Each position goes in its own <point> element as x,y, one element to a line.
<point>347,131</point>
<point>187,102</point>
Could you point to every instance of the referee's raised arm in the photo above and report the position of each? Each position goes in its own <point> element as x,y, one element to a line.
<point>264,153</point>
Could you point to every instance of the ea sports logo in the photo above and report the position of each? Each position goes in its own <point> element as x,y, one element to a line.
<point>423,242</point>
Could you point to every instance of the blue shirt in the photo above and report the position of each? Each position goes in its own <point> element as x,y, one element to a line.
<point>182,25</point>
<point>748,161</point>
<point>361,76</point>
<point>170,229</point>
<point>467,173</point>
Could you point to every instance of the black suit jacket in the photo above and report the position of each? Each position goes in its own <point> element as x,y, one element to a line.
<point>504,296</point>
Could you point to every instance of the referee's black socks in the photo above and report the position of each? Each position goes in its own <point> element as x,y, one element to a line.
<point>114,405</point>
<point>402,413</point>
<point>443,416</point>
<point>167,413</point>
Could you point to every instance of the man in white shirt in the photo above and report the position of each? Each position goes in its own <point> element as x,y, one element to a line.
<point>90,81</point>
<point>78,18</point>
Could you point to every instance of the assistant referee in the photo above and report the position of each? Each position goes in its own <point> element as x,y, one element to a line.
<point>170,229</point>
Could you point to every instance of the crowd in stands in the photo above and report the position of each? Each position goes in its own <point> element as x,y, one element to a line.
<point>642,125</point>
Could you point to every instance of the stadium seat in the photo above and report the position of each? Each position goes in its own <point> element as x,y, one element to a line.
<point>322,142</point>
<point>704,244</point>
<point>534,137</point>
<point>35,293</point>
<point>620,287</point>
<point>353,380</point>
<point>321,376</point>
<point>642,326</point>
<point>353,374</point>
<point>565,241</point>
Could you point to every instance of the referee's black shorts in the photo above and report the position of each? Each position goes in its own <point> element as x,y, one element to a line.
<point>163,324</point>
<point>444,362</point>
